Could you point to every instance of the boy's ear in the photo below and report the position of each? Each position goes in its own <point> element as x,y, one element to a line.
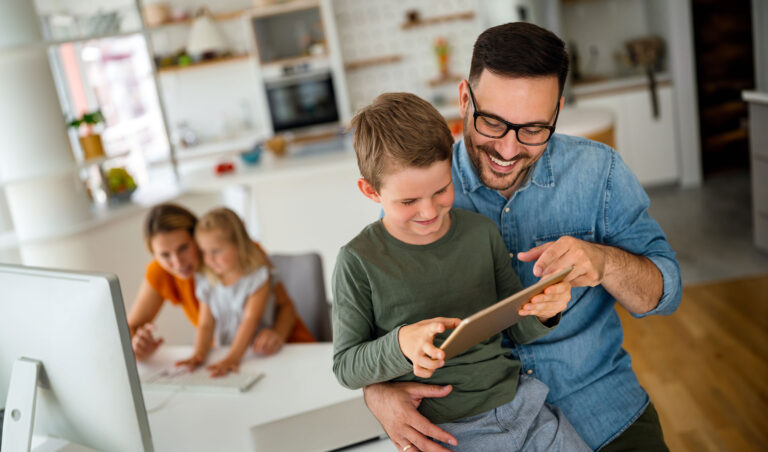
<point>367,189</point>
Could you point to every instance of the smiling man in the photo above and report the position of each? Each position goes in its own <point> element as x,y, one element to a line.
<point>557,201</point>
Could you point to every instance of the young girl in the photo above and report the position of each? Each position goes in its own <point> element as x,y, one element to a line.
<point>234,290</point>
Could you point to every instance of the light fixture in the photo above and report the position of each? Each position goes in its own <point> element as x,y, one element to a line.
<point>205,40</point>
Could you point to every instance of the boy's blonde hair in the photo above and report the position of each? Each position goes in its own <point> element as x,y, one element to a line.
<point>232,230</point>
<point>399,130</point>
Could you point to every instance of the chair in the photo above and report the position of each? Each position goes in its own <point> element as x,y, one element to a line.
<point>302,276</point>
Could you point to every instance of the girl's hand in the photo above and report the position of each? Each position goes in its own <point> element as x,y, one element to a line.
<point>417,344</point>
<point>267,342</point>
<point>193,362</point>
<point>223,367</point>
<point>548,304</point>
<point>144,342</point>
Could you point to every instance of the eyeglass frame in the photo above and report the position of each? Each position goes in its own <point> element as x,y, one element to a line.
<point>510,125</point>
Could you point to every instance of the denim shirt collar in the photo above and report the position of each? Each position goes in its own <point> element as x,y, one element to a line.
<point>541,176</point>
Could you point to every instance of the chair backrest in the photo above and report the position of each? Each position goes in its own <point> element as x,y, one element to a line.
<point>302,276</point>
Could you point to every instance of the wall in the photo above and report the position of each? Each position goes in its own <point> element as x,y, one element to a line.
<point>371,28</point>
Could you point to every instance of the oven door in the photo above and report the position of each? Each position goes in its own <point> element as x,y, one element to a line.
<point>301,101</point>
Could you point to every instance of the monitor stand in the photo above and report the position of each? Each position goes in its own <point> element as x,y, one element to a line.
<point>19,418</point>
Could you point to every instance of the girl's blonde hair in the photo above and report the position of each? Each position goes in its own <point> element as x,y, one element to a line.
<point>232,229</point>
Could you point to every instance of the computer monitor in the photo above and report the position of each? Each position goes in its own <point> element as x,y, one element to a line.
<point>88,389</point>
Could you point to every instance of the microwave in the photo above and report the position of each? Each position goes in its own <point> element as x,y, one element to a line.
<point>302,100</point>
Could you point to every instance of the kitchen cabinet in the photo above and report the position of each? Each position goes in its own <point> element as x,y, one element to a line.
<point>648,145</point>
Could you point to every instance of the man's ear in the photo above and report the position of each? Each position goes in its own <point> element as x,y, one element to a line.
<point>463,98</point>
<point>367,189</point>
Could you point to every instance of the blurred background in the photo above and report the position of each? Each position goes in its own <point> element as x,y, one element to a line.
<point>112,106</point>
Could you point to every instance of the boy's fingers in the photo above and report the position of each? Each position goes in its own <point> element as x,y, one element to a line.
<point>433,352</point>
<point>429,364</point>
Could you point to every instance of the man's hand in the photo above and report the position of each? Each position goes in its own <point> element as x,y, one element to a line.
<point>417,344</point>
<point>548,304</point>
<point>588,260</point>
<point>267,342</point>
<point>144,342</point>
<point>395,406</point>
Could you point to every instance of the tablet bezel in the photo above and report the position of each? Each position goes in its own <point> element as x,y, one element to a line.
<point>495,318</point>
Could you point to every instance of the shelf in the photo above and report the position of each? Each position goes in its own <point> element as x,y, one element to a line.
<point>445,79</point>
<point>466,15</point>
<point>219,17</point>
<point>368,62</point>
<point>295,60</point>
<point>282,8</point>
<point>100,160</point>
<point>119,34</point>
<point>211,62</point>
<point>219,147</point>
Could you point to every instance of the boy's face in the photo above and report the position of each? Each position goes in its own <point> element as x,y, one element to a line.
<point>219,255</point>
<point>416,202</point>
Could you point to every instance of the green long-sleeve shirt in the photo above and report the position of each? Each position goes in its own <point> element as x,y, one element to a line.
<point>381,284</point>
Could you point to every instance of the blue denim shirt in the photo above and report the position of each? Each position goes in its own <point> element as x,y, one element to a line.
<point>582,189</point>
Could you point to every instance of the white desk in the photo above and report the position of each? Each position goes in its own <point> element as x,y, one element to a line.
<point>297,406</point>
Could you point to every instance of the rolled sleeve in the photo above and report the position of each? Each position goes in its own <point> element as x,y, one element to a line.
<point>530,328</point>
<point>673,287</point>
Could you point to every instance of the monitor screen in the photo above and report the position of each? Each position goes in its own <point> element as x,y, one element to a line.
<point>74,324</point>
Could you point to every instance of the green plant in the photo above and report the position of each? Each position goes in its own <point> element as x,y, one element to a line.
<point>90,119</point>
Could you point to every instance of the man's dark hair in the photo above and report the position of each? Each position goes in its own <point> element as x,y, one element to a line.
<point>519,49</point>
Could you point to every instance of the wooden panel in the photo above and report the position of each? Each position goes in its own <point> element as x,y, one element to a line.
<point>705,366</point>
<point>606,137</point>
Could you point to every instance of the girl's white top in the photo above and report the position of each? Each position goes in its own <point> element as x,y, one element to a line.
<point>227,302</point>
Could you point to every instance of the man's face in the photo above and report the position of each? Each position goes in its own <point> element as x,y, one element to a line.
<point>502,163</point>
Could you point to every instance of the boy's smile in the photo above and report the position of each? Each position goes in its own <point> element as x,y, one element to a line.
<point>416,202</point>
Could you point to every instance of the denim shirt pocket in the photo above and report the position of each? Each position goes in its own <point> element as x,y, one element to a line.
<point>586,234</point>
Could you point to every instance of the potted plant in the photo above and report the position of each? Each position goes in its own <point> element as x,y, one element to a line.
<point>90,141</point>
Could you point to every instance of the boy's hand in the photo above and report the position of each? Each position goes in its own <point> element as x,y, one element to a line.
<point>192,362</point>
<point>267,342</point>
<point>225,366</point>
<point>548,304</point>
<point>417,344</point>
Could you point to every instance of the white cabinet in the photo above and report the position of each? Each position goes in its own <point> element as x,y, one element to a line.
<point>648,145</point>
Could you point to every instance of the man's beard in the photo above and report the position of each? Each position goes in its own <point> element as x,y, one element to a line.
<point>476,155</point>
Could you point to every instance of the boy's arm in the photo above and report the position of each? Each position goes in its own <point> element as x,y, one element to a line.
<point>359,358</point>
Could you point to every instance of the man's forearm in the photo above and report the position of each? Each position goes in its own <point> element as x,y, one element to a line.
<point>634,281</point>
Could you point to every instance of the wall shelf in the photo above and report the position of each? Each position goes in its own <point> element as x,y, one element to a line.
<point>445,79</point>
<point>219,17</point>
<point>368,62</point>
<point>466,15</point>
<point>211,62</point>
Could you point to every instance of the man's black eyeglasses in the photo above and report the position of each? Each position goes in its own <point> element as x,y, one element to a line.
<point>492,126</point>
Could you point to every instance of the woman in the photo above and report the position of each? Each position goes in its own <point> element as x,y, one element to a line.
<point>169,236</point>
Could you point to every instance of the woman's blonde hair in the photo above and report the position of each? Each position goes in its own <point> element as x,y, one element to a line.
<point>232,230</point>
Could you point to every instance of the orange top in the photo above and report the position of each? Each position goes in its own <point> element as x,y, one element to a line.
<point>177,290</point>
<point>182,292</point>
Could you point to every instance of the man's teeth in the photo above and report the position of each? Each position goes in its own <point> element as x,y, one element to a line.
<point>502,162</point>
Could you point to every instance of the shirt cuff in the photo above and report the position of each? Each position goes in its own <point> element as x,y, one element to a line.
<point>530,328</point>
<point>673,287</point>
<point>394,358</point>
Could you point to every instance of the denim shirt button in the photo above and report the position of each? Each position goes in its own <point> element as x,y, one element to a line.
<point>506,210</point>
<point>511,255</point>
<point>529,371</point>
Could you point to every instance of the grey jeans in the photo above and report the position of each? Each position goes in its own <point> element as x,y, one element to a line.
<point>526,423</point>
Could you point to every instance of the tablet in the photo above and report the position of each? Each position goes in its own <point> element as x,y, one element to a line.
<point>496,318</point>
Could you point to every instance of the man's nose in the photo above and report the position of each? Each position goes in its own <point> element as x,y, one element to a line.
<point>508,146</point>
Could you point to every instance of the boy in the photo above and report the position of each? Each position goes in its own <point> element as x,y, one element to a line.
<point>422,260</point>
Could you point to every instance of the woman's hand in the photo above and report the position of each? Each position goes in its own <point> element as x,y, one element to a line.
<point>267,342</point>
<point>225,366</point>
<point>417,344</point>
<point>144,342</point>
<point>548,304</point>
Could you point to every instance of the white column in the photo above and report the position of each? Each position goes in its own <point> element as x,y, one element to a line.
<point>37,167</point>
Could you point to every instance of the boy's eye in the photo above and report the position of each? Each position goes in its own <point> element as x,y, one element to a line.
<point>408,202</point>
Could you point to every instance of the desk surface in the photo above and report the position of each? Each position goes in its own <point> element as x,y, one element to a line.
<point>297,380</point>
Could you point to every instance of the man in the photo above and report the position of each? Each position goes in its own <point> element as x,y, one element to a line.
<point>557,201</point>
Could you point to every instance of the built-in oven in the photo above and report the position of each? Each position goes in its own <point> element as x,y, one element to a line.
<point>301,96</point>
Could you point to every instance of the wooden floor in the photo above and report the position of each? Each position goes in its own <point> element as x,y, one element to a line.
<point>706,366</point>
